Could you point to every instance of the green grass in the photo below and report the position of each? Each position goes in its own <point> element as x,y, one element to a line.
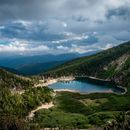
<point>56,118</point>
<point>71,112</point>
<point>69,102</point>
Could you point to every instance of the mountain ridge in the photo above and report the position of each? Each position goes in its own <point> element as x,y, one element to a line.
<point>102,65</point>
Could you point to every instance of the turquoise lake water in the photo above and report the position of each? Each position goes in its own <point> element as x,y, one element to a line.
<point>83,86</point>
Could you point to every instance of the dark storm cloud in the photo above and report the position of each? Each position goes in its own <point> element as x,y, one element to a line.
<point>122,12</point>
<point>23,9</point>
<point>59,26</point>
<point>40,9</point>
<point>28,31</point>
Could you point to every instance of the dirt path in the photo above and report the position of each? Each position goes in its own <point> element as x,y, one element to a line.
<point>43,106</point>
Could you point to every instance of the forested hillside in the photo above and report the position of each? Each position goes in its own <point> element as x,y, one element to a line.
<point>112,64</point>
<point>16,105</point>
<point>11,80</point>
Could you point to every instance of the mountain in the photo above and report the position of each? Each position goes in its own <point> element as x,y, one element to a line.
<point>13,81</point>
<point>37,68</point>
<point>112,64</point>
<point>18,61</point>
<point>14,71</point>
<point>32,65</point>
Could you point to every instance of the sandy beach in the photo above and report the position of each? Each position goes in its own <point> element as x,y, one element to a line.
<point>68,90</point>
<point>50,81</point>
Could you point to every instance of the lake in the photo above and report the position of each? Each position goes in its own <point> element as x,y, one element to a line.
<point>84,86</point>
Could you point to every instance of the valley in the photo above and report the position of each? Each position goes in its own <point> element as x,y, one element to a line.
<point>31,96</point>
<point>64,64</point>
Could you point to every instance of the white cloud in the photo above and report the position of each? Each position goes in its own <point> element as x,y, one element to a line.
<point>2,27</point>
<point>71,37</point>
<point>64,24</point>
<point>106,46</point>
<point>23,22</point>
<point>22,47</point>
<point>62,47</point>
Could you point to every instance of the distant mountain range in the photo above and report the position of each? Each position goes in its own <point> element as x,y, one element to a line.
<point>32,65</point>
<point>37,68</point>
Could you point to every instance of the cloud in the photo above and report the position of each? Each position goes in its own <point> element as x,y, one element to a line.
<point>64,24</point>
<point>22,47</point>
<point>42,9</point>
<point>60,26</point>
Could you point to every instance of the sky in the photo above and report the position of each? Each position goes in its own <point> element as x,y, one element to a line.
<point>35,27</point>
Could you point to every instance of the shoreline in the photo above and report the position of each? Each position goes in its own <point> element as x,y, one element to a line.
<point>94,78</point>
<point>69,90</point>
<point>65,90</point>
<point>49,81</point>
<point>124,88</point>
